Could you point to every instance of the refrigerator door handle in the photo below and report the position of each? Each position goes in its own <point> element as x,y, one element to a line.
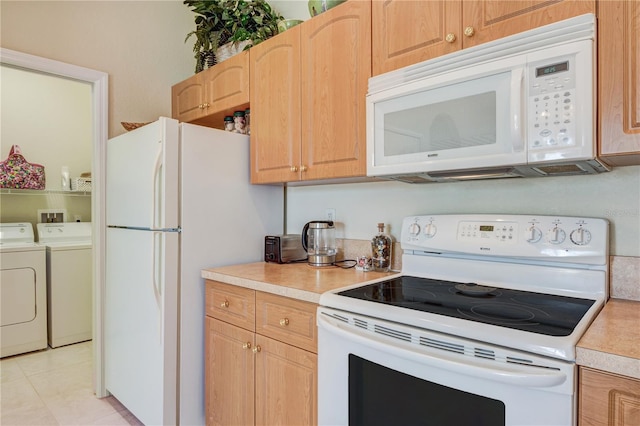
<point>156,211</point>
<point>158,277</point>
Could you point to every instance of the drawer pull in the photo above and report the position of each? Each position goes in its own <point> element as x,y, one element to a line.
<point>246,345</point>
<point>256,349</point>
<point>224,304</point>
<point>284,322</point>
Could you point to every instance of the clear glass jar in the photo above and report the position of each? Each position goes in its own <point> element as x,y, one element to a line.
<point>381,247</point>
<point>247,121</point>
<point>238,122</point>
<point>228,123</point>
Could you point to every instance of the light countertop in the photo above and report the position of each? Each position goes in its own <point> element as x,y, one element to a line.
<point>296,280</point>
<point>612,342</point>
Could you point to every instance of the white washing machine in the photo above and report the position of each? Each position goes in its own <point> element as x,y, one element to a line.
<point>23,291</point>
<point>69,281</point>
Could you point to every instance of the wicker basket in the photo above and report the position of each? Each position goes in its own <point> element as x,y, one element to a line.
<point>131,126</point>
<point>81,184</point>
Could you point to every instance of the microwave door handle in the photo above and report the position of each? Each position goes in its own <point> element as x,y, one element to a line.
<point>512,374</point>
<point>517,109</point>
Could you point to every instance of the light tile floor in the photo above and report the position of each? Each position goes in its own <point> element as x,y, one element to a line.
<point>54,387</point>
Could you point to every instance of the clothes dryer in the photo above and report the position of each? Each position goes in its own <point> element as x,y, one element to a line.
<point>69,281</point>
<point>23,291</point>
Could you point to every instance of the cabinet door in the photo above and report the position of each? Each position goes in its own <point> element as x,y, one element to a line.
<point>486,20</point>
<point>619,81</point>
<point>286,384</point>
<point>608,399</point>
<point>406,32</point>
<point>226,90</point>
<point>275,108</point>
<point>187,99</point>
<point>229,374</point>
<point>336,66</point>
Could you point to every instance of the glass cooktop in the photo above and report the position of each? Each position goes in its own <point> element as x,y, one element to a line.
<point>534,312</point>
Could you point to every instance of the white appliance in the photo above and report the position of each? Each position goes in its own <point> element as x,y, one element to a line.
<point>521,106</point>
<point>23,290</point>
<point>480,327</point>
<point>178,201</point>
<point>69,281</point>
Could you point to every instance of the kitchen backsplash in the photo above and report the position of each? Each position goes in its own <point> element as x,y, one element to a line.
<point>623,270</point>
<point>623,277</point>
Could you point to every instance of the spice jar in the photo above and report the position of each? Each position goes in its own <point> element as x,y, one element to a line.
<point>381,246</point>
<point>228,123</point>
<point>247,121</point>
<point>238,122</point>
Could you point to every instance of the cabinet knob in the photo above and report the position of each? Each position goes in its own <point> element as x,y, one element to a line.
<point>294,169</point>
<point>450,38</point>
<point>224,304</point>
<point>256,349</point>
<point>206,105</point>
<point>469,31</point>
<point>303,168</point>
<point>246,345</point>
<point>284,322</point>
<point>201,106</point>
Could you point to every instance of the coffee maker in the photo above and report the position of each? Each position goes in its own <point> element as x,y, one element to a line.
<point>319,241</point>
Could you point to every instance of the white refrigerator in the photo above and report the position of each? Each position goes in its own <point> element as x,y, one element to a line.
<point>178,200</point>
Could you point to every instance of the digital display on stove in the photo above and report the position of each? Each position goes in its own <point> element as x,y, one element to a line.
<point>540,313</point>
<point>486,228</point>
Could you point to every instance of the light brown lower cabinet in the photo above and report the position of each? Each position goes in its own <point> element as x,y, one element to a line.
<point>258,372</point>
<point>607,399</point>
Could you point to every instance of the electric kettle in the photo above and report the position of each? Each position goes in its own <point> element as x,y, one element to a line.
<point>319,241</point>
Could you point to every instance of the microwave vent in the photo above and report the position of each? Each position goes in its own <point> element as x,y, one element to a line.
<point>562,169</point>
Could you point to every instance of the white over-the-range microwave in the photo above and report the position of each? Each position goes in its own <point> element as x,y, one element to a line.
<point>521,106</point>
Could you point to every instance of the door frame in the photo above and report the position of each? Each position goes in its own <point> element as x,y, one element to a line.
<point>99,94</point>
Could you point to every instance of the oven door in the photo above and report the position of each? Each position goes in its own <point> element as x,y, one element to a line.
<point>373,372</point>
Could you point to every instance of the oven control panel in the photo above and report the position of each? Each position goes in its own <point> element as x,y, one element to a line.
<point>555,238</point>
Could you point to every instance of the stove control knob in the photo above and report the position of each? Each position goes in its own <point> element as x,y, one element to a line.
<point>430,230</point>
<point>556,235</point>
<point>580,236</point>
<point>414,230</point>
<point>533,234</point>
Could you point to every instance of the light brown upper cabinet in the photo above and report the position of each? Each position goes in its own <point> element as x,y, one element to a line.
<point>206,97</point>
<point>619,82</point>
<point>406,32</point>
<point>275,108</point>
<point>308,88</point>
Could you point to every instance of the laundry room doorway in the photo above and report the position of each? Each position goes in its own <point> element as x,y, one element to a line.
<point>98,105</point>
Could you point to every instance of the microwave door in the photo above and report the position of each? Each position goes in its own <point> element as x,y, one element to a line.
<point>470,124</point>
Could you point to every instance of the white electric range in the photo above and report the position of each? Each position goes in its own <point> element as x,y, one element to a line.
<point>486,315</point>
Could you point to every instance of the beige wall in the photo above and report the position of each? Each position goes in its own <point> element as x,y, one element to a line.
<point>60,134</point>
<point>140,44</point>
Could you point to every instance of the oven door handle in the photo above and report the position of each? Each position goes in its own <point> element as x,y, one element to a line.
<point>512,374</point>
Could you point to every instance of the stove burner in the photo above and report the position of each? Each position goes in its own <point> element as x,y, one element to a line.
<point>473,289</point>
<point>504,313</point>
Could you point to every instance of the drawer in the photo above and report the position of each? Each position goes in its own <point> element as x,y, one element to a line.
<point>232,304</point>
<point>287,320</point>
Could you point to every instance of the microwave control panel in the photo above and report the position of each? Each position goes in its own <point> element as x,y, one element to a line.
<point>552,100</point>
